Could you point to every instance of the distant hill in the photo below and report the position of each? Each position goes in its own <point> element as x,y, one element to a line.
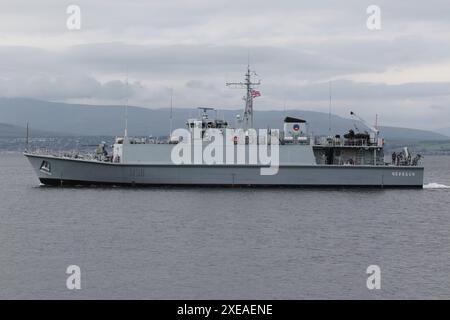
<point>13,131</point>
<point>109,120</point>
<point>444,131</point>
<point>407,134</point>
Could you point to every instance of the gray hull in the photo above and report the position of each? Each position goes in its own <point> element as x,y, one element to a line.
<point>83,172</point>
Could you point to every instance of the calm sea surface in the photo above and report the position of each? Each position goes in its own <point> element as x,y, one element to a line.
<point>222,243</point>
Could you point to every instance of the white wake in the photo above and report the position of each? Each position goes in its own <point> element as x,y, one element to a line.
<point>434,185</point>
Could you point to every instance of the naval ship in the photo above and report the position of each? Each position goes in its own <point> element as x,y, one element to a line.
<point>240,157</point>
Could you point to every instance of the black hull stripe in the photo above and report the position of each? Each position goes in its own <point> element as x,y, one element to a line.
<point>65,182</point>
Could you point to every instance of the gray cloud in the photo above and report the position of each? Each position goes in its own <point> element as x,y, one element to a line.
<point>347,90</point>
<point>196,46</point>
<point>68,88</point>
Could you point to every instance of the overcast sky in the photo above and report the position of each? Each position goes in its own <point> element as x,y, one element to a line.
<point>400,72</point>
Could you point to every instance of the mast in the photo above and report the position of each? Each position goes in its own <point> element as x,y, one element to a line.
<point>125,139</point>
<point>28,138</point>
<point>126,121</point>
<point>329,111</point>
<point>171,113</point>
<point>248,86</point>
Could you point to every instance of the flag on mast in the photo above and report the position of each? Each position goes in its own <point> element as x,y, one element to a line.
<point>255,93</point>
